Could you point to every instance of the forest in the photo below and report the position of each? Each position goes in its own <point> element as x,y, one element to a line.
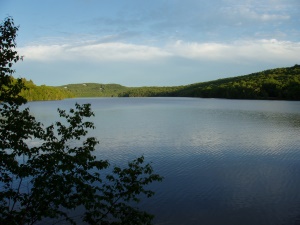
<point>94,90</point>
<point>32,92</point>
<point>279,83</point>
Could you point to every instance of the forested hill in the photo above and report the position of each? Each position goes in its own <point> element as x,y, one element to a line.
<point>43,92</point>
<point>281,83</point>
<point>116,90</point>
<point>95,90</point>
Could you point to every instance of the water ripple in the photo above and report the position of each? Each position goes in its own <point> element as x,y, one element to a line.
<point>224,161</point>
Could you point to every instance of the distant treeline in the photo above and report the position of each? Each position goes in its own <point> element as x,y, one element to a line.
<point>281,83</point>
<point>43,92</point>
<point>116,90</point>
<point>95,90</point>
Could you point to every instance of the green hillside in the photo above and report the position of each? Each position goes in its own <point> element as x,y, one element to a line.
<point>152,91</point>
<point>94,89</point>
<point>43,92</point>
<point>116,90</point>
<point>280,83</point>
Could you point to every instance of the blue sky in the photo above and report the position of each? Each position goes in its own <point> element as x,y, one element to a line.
<point>152,43</point>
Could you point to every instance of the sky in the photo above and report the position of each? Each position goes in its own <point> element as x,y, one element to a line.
<point>152,43</point>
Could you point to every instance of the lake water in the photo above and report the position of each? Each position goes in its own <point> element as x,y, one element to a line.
<point>225,162</point>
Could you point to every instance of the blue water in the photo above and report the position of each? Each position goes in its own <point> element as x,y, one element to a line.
<point>224,161</point>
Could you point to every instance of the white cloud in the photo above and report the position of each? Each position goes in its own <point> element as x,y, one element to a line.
<point>92,52</point>
<point>42,52</point>
<point>270,17</point>
<point>118,51</point>
<point>195,50</point>
<point>248,13</point>
<point>255,50</point>
<point>253,10</point>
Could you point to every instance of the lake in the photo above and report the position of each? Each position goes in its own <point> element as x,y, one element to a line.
<point>228,162</point>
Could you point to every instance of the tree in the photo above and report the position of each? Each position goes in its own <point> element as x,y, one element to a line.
<point>47,180</point>
<point>9,88</point>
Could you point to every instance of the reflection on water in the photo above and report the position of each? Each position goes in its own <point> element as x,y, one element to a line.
<point>224,161</point>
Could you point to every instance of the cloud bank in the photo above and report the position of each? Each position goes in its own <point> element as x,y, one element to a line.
<point>254,50</point>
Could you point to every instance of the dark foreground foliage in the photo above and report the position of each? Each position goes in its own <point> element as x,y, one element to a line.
<point>47,173</point>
